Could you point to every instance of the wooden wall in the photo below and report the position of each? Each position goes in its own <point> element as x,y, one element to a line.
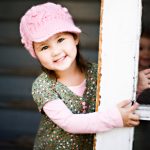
<point>19,117</point>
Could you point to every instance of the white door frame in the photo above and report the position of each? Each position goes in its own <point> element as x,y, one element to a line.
<point>120,27</point>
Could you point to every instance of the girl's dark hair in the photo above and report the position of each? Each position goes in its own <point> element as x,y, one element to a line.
<point>81,63</point>
<point>145,32</point>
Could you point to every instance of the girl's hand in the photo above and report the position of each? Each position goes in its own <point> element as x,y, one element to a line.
<point>130,119</point>
<point>143,80</point>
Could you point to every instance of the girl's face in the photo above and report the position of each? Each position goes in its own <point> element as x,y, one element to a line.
<point>144,56</point>
<point>57,53</point>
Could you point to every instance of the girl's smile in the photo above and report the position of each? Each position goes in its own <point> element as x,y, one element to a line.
<point>60,59</point>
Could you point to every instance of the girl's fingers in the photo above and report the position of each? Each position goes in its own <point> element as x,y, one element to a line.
<point>133,120</point>
<point>124,103</point>
<point>148,76</point>
<point>146,71</point>
<point>133,123</point>
<point>134,117</point>
<point>133,107</point>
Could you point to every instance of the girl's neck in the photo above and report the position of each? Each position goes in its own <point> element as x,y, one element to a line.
<point>71,77</point>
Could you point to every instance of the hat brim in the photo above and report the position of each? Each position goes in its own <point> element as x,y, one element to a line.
<point>49,33</point>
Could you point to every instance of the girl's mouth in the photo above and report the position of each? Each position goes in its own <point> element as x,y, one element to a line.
<point>60,59</point>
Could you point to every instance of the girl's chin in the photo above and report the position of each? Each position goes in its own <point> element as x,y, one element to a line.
<point>63,67</point>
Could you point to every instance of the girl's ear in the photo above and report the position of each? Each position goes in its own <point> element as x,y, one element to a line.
<point>76,38</point>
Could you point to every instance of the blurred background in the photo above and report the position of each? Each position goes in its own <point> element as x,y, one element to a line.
<point>19,117</point>
<point>142,132</point>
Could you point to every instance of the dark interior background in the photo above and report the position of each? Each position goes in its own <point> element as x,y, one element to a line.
<point>19,117</point>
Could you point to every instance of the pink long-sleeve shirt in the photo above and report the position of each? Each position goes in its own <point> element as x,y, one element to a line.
<point>94,122</point>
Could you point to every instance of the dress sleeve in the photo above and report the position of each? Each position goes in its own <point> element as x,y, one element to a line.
<point>94,122</point>
<point>42,91</point>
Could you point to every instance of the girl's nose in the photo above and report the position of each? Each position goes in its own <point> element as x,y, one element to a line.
<point>56,51</point>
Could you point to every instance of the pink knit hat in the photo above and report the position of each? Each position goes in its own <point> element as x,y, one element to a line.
<point>43,21</point>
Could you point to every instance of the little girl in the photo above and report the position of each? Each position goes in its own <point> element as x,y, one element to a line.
<point>65,92</point>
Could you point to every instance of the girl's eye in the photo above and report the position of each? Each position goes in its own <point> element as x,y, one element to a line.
<point>44,48</point>
<point>60,40</point>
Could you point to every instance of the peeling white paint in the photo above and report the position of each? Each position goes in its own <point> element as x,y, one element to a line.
<point>121,25</point>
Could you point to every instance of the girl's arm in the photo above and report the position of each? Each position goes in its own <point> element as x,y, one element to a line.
<point>94,122</point>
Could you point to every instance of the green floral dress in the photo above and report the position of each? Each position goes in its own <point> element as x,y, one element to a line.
<point>52,137</point>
